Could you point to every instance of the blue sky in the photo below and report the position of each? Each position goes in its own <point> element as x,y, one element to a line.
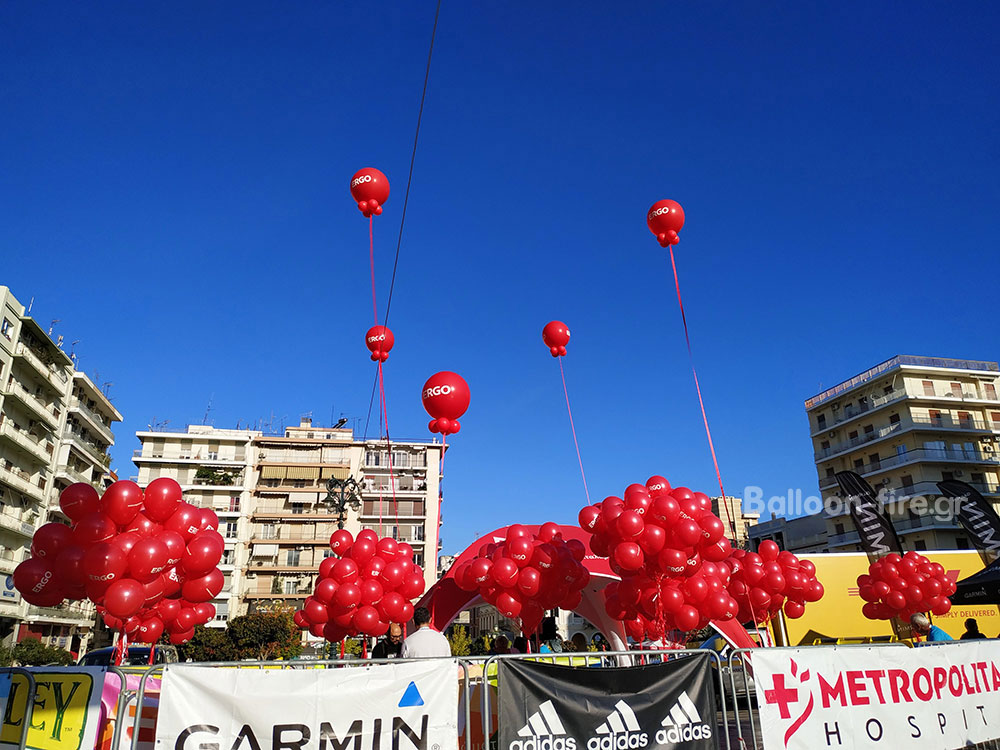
<point>175,190</point>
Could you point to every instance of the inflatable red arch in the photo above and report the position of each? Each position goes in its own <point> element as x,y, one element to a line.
<point>445,599</point>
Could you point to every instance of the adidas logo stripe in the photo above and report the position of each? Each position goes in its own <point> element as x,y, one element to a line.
<point>622,719</point>
<point>544,722</point>
<point>682,712</point>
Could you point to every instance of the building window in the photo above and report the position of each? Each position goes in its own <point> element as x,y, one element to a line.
<point>829,471</point>
<point>229,529</point>
<point>859,463</point>
<point>965,419</point>
<point>919,544</point>
<point>234,505</point>
<point>825,445</point>
<point>869,429</point>
<point>928,387</point>
<point>991,391</point>
<point>291,587</point>
<point>838,528</point>
<point>961,542</point>
<point>298,508</point>
<point>956,390</point>
<point>269,531</point>
<point>900,450</point>
<point>906,480</point>
<point>293,557</point>
<point>893,419</point>
<point>821,421</point>
<point>852,435</point>
<point>6,328</point>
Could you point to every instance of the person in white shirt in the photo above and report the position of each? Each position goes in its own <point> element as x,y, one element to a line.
<point>425,641</point>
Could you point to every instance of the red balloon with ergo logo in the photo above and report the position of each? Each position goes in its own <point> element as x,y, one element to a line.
<point>370,188</point>
<point>665,219</point>
<point>446,397</point>
<point>556,336</point>
<point>379,340</point>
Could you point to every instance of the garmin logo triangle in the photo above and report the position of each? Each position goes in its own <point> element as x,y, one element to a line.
<point>411,697</point>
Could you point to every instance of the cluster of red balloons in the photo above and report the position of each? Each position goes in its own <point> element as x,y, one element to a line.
<point>667,546</point>
<point>446,398</point>
<point>665,219</point>
<point>901,586</point>
<point>556,336</point>
<point>370,188</point>
<point>148,560</point>
<point>770,580</point>
<point>369,585</point>
<point>527,573</point>
<point>379,341</point>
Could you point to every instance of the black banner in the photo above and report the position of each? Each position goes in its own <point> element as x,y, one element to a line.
<point>555,707</point>
<point>976,516</point>
<point>878,537</point>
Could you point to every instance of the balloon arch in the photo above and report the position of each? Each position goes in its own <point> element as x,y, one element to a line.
<point>445,600</point>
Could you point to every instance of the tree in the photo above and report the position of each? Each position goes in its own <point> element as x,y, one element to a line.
<point>209,644</point>
<point>461,643</point>
<point>31,652</point>
<point>265,636</point>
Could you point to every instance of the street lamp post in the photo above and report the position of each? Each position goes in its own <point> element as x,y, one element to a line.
<point>342,494</point>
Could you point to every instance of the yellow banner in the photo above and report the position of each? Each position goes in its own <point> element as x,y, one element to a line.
<point>838,613</point>
<point>66,713</point>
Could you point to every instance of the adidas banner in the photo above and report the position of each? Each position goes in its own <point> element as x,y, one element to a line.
<point>555,707</point>
<point>404,706</point>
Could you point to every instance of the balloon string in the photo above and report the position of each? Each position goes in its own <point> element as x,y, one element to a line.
<point>388,445</point>
<point>573,429</point>
<point>371,259</point>
<point>704,416</point>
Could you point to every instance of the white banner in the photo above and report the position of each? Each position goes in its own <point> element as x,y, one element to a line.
<point>942,696</point>
<point>405,706</point>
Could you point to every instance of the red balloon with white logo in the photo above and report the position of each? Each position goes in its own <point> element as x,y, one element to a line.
<point>129,566</point>
<point>370,584</point>
<point>370,188</point>
<point>379,340</point>
<point>770,580</point>
<point>527,573</point>
<point>900,586</point>
<point>665,219</point>
<point>556,336</point>
<point>446,397</point>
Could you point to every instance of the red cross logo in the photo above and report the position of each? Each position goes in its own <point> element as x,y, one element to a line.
<point>781,695</point>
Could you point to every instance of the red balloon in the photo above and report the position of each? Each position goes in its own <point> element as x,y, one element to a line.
<point>143,526</point>
<point>504,572</point>
<point>666,510</point>
<point>712,529</point>
<point>168,609</point>
<point>940,606</point>
<point>209,520</point>
<point>79,500</point>
<point>37,582</point>
<point>205,588</point>
<point>665,219</point>
<point>50,539</point>
<point>480,570</point>
<point>588,516</point>
<point>104,563</point>
<point>687,618</point>
<point>205,612</point>
<point>121,501</point>
<point>413,584</point>
<point>658,486</point>
<point>315,611</point>
<point>366,619</point>
<point>629,556</point>
<point>202,554</point>
<point>186,521</point>
<point>629,525</point>
<point>687,531</point>
<point>392,575</point>
<point>556,336</point>
<point>794,610</point>
<point>345,570</point>
<point>370,188</point>
<point>126,540</point>
<point>446,397</point>
<point>68,566</point>
<point>379,340</point>
<point>508,605</point>
<point>148,559</point>
<point>186,619</point>
<point>326,588</point>
<point>363,550</point>
<point>181,638</point>
<point>392,605</point>
<point>348,596</point>
<point>174,543</point>
<point>341,541</point>
<point>520,550</point>
<point>154,590</point>
<point>162,497</point>
<point>94,528</point>
<point>150,630</point>
<point>124,598</point>
<point>387,548</point>
<point>769,550</point>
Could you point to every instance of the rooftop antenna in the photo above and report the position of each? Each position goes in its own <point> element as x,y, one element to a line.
<point>106,388</point>
<point>53,325</point>
<point>72,350</point>
<point>208,410</point>
<point>30,303</point>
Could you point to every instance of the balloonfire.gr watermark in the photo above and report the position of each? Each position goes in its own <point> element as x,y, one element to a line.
<point>796,503</point>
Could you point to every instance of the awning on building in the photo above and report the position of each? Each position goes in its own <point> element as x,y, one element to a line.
<point>272,472</point>
<point>337,472</point>
<point>264,550</point>
<point>303,472</point>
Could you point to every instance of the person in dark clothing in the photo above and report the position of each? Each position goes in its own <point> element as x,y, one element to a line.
<point>971,630</point>
<point>390,646</point>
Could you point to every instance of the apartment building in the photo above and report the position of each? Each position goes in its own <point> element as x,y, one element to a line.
<point>55,429</point>
<point>905,425</point>
<point>292,523</point>
<point>797,535</point>
<point>270,492</point>
<point>215,469</point>
<point>732,512</point>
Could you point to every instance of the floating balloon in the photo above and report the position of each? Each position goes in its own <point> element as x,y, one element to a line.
<point>370,188</point>
<point>379,341</point>
<point>899,586</point>
<point>665,219</point>
<point>556,336</point>
<point>446,398</point>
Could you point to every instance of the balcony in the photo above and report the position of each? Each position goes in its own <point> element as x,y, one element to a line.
<point>25,440</point>
<point>7,566</point>
<point>847,539</point>
<point>48,414</point>
<point>21,481</point>
<point>209,459</point>
<point>13,523</point>
<point>947,422</point>
<point>51,376</point>
<point>73,476</point>
<point>405,509</point>
<point>77,613</point>
<point>930,455</point>
<point>943,423</point>
<point>93,419</point>
<point>89,449</point>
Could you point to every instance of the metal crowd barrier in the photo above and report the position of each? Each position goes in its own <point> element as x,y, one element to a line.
<point>29,706</point>
<point>600,659</point>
